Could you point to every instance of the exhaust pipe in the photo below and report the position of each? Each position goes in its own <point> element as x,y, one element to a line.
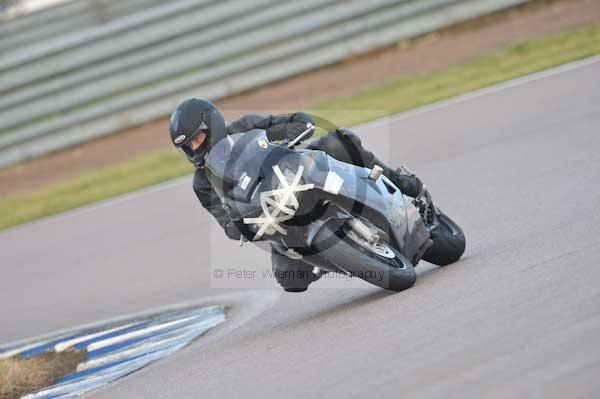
<point>364,231</point>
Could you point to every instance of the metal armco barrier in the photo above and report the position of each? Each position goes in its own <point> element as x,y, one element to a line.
<point>134,68</point>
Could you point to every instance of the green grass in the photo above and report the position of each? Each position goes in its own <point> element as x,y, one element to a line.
<point>21,375</point>
<point>93,186</point>
<point>389,98</point>
<point>518,60</point>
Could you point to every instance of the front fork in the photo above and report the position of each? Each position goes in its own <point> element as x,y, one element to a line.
<point>429,212</point>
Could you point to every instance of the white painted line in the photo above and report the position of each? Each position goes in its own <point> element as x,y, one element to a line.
<point>136,333</point>
<point>16,351</point>
<point>209,305</point>
<point>61,346</point>
<point>130,359</point>
<point>481,92</point>
<point>144,348</point>
<point>186,334</point>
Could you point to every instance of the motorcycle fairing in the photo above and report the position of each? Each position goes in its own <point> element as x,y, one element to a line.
<point>241,167</point>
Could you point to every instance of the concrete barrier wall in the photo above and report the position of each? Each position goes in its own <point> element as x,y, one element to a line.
<point>215,49</point>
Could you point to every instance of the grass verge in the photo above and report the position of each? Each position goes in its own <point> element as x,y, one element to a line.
<point>91,187</point>
<point>21,375</point>
<point>389,98</point>
<point>513,62</point>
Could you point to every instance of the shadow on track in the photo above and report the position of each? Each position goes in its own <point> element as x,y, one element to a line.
<point>348,304</point>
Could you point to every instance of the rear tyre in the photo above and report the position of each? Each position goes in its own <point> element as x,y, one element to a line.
<point>448,242</point>
<point>380,264</point>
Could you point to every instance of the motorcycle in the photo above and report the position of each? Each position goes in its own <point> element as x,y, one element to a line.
<point>335,216</point>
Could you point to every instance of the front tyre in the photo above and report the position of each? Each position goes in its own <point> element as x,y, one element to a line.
<point>378,264</point>
<point>448,242</point>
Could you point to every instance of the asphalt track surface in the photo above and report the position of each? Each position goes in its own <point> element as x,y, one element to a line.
<point>517,166</point>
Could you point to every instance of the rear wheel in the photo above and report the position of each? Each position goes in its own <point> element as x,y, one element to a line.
<point>448,242</point>
<point>379,264</point>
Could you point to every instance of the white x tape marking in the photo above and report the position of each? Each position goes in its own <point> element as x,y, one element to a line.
<point>278,205</point>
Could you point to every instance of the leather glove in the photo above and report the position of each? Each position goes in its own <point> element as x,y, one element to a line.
<point>232,231</point>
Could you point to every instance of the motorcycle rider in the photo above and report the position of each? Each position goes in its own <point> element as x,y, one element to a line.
<point>196,125</point>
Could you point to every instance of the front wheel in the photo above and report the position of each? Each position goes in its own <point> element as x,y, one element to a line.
<point>378,264</point>
<point>448,242</point>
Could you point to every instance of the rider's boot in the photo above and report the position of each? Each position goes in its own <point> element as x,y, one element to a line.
<point>402,177</point>
<point>346,146</point>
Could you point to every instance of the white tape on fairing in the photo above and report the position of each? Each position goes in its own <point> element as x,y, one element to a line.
<point>333,183</point>
<point>278,205</point>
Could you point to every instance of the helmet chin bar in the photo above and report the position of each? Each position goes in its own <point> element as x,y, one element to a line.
<point>196,158</point>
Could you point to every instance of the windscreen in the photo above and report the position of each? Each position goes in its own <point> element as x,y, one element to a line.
<point>234,163</point>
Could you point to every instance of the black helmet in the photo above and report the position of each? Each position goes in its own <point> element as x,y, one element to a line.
<point>190,118</point>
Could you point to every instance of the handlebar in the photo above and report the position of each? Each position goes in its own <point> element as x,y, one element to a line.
<point>309,129</point>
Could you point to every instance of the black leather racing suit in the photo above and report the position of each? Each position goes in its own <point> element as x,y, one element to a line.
<point>277,127</point>
<point>343,144</point>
